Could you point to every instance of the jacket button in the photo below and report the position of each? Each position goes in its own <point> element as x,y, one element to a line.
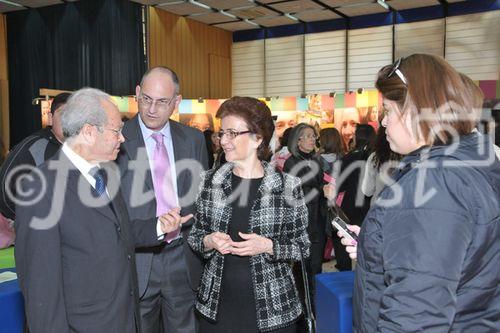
<point>129,257</point>
<point>118,229</point>
<point>131,292</point>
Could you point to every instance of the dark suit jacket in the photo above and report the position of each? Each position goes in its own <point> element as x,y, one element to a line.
<point>189,144</point>
<point>78,275</point>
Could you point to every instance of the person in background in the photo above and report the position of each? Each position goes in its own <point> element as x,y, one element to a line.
<point>354,203</point>
<point>279,158</point>
<point>250,226</point>
<point>30,153</point>
<point>379,167</point>
<point>349,119</point>
<point>428,249</point>
<point>305,164</point>
<point>331,150</point>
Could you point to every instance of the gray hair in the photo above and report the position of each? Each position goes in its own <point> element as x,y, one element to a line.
<point>163,70</point>
<point>83,107</point>
<point>293,139</point>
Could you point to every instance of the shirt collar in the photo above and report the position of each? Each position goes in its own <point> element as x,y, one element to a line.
<point>146,132</point>
<point>80,163</point>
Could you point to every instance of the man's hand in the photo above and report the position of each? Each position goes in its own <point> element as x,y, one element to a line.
<point>252,245</point>
<point>172,220</point>
<point>218,241</point>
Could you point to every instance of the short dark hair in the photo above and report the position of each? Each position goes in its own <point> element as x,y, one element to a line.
<point>364,137</point>
<point>59,100</point>
<point>256,115</point>
<point>330,141</point>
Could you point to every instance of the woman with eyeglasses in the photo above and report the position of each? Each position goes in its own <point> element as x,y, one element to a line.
<point>305,164</point>
<point>250,226</point>
<point>429,248</point>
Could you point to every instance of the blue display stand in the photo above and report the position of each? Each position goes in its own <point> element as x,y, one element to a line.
<point>11,306</point>
<point>334,302</point>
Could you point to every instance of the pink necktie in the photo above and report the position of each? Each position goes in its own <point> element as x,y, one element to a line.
<point>162,181</point>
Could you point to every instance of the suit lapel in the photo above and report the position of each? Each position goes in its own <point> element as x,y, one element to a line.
<point>134,141</point>
<point>180,153</point>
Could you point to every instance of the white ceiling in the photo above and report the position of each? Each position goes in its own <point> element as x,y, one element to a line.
<point>252,14</point>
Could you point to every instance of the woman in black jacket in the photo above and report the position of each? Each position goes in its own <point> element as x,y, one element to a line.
<point>354,203</point>
<point>305,164</point>
<point>429,248</point>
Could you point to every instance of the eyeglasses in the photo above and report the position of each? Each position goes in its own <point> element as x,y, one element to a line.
<point>230,133</point>
<point>161,103</point>
<point>309,136</point>
<point>117,132</point>
<point>395,70</point>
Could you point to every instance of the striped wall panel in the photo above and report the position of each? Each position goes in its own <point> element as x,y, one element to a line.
<point>368,50</point>
<point>325,61</point>
<point>473,44</point>
<point>248,68</point>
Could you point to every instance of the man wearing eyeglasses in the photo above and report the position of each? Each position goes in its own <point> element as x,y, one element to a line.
<point>160,162</point>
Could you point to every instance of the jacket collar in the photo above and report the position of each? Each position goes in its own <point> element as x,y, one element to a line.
<point>272,181</point>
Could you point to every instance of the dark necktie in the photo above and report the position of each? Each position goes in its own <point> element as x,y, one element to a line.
<point>100,180</point>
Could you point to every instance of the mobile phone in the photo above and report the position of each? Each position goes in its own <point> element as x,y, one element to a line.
<point>340,225</point>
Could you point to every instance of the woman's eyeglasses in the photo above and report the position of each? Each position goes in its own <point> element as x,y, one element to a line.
<point>395,70</point>
<point>230,133</point>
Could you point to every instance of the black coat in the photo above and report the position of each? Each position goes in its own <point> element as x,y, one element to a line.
<point>313,192</point>
<point>429,262</point>
<point>349,182</point>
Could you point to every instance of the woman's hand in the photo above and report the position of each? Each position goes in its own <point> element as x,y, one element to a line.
<point>350,246</point>
<point>218,241</point>
<point>329,191</point>
<point>252,245</point>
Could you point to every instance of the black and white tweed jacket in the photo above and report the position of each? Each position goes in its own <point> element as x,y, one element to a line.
<point>280,214</point>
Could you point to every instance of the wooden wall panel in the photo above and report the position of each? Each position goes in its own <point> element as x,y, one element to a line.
<point>220,75</point>
<point>185,46</point>
<point>4,86</point>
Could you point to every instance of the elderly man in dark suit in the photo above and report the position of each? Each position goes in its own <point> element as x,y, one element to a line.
<point>161,163</point>
<point>75,243</point>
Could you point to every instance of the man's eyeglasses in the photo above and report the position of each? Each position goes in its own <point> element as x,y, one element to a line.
<point>395,70</point>
<point>230,133</point>
<point>161,103</point>
<point>117,132</point>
